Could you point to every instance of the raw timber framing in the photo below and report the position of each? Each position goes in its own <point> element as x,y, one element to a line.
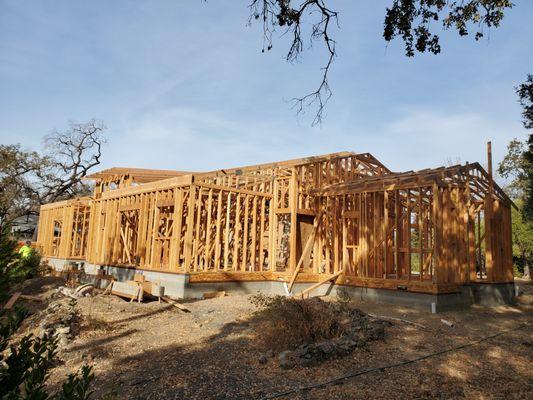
<point>340,217</point>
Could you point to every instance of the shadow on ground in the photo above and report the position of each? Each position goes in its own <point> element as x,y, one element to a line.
<point>225,365</point>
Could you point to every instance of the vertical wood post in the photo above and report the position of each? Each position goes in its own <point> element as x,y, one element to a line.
<point>293,207</point>
<point>272,227</point>
<point>489,213</point>
<point>190,226</point>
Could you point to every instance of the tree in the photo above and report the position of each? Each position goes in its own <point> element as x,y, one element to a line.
<point>72,154</point>
<point>410,20</point>
<point>29,179</point>
<point>522,239</point>
<point>517,167</point>
<point>18,170</point>
<point>525,98</point>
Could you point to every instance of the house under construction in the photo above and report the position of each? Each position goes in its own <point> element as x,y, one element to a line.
<point>436,237</point>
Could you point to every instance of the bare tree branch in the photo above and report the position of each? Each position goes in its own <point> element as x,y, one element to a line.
<point>29,179</point>
<point>274,13</point>
<point>411,20</point>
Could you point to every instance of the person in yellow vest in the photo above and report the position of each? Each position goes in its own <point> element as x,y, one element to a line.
<point>26,250</point>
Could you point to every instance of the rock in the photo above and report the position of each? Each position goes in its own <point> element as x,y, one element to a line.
<point>42,333</point>
<point>375,332</point>
<point>301,350</point>
<point>307,361</point>
<point>63,341</point>
<point>263,359</point>
<point>44,324</point>
<point>286,359</point>
<point>66,291</point>
<point>351,343</point>
<point>326,348</point>
<point>65,330</point>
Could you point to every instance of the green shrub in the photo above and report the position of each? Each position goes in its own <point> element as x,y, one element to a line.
<point>24,370</point>
<point>26,267</point>
<point>8,259</point>
<point>13,268</point>
<point>77,386</point>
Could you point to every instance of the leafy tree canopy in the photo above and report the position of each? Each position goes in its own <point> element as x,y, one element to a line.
<point>525,97</point>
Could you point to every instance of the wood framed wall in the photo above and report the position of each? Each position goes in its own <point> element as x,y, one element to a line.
<point>63,229</point>
<point>305,219</point>
<point>189,228</point>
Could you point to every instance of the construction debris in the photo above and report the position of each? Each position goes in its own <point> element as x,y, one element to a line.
<point>212,295</point>
<point>175,304</point>
<point>12,301</point>
<point>68,292</point>
<point>130,290</point>
<point>448,323</point>
<point>84,290</point>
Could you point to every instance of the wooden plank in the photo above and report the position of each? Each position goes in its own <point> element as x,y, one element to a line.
<point>262,235</point>
<point>244,260</point>
<point>421,236</point>
<point>306,249</point>
<point>227,232</point>
<point>209,210</point>
<point>127,290</point>
<point>197,229</point>
<point>272,227</point>
<point>175,304</point>
<point>253,246</point>
<point>293,205</point>
<point>218,228</point>
<point>236,234</point>
<point>177,220</point>
<point>331,278</point>
<point>125,243</point>
<point>11,302</point>
<point>190,228</point>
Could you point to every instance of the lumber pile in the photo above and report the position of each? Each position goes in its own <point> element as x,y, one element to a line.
<point>136,289</point>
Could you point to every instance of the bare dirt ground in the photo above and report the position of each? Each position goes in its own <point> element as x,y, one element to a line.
<point>155,351</point>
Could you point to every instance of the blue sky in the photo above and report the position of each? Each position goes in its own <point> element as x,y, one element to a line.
<point>184,85</point>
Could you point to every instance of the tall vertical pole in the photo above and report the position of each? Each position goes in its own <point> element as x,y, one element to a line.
<point>489,164</point>
<point>489,256</point>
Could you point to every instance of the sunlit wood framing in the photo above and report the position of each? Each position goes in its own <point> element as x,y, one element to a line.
<point>300,220</point>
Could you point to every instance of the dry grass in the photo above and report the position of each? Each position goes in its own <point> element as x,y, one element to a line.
<point>285,322</point>
<point>95,324</point>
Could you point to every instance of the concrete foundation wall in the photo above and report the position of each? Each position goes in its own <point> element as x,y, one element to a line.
<point>178,286</point>
<point>59,263</point>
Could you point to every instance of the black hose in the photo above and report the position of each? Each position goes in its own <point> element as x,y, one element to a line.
<point>339,380</point>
